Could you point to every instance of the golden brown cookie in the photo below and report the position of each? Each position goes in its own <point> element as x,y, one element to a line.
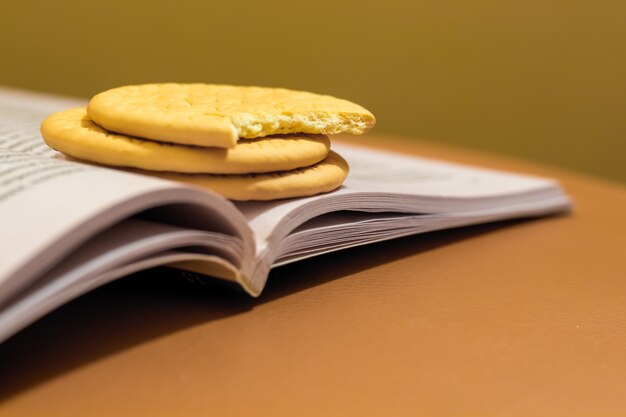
<point>218,115</point>
<point>73,133</point>
<point>322,177</point>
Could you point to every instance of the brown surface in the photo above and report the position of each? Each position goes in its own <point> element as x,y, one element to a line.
<point>516,318</point>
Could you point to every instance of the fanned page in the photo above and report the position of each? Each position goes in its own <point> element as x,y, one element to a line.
<point>66,227</point>
<point>388,195</point>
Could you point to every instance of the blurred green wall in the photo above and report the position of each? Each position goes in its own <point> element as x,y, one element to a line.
<point>541,79</point>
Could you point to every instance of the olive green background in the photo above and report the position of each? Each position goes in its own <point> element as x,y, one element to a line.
<point>541,79</point>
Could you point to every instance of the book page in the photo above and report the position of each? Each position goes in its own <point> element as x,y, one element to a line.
<point>403,195</point>
<point>117,251</point>
<point>21,114</point>
<point>49,206</point>
<point>389,172</point>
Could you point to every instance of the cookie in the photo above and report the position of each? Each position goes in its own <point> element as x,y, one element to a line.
<point>218,115</point>
<point>322,177</point>
<point>73,133</point>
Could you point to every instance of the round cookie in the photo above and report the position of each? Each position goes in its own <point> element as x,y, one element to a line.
<point>73,133</point>
<point>322,177</point>
<point>218,115</point>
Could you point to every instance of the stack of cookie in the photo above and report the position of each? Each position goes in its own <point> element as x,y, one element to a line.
<point>246,143</point>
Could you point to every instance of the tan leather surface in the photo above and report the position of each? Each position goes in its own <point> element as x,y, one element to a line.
<point>518,318</point>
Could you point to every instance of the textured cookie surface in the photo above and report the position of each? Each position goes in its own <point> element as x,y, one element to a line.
<point>322,177</point>
<point>218,115</point>
<point>73,133</point>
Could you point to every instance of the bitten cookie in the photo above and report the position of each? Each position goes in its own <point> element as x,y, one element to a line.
<point>218,115</point>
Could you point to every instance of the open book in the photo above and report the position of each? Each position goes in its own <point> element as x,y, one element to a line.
<point>68,227</point>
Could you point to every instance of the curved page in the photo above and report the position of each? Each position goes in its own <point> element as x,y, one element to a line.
<point>110,255</point>
<point>49,207</point>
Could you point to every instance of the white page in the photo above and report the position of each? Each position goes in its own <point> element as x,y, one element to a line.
<point>388,172</point>
<point>49,206</point>
<point>35,102</point>
<point>127,244</point>
<point>341,230</point>
<point>402,184</point>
